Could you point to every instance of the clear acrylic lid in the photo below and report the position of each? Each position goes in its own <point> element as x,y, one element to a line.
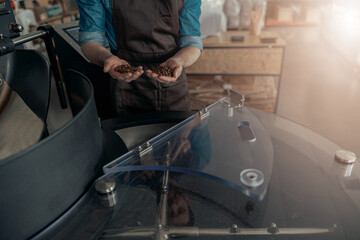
<point>224,142</point>
<point>186,184</point>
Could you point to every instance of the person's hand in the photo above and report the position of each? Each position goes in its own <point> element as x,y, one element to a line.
<point>172,63</point>
<point>112,62</point>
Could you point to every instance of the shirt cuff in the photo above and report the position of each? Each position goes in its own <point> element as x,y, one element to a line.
<point>191,41</point>
<point>98,37</point>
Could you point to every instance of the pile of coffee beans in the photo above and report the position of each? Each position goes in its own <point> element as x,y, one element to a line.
<point>126,69</point>
<point>164,71</point>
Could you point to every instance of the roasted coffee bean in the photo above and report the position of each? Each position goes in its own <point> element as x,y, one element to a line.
<point>164,71</point>
<point>126,69</point>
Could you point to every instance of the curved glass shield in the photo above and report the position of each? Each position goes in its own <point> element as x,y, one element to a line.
<point>171,194</point>
<point>224,142</point>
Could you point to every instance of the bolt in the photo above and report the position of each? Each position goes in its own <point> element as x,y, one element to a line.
<point>234,228</point>
<point>273,228</point>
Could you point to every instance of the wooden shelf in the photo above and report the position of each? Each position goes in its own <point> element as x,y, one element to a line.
<point>67,11</point>
<point>223,40</point>
<point>285,23</point>
<point>221,56</point>
<point>58,17</point>
<point>293,13</point>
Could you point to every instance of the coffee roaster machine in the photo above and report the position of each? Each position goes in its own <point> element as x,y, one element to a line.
<point>225,172</point>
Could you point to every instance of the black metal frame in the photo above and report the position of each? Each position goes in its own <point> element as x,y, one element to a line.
<point>46,32</point>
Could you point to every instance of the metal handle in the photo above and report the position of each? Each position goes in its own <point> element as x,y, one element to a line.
<point>45,32</point>
<point>29,37</point>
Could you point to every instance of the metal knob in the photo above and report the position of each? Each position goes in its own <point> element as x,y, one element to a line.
<point>105,188</point>
<point>344,156</point>
<point>252,177</point>
<point>105,185</point>
<point>15,27</point>
<point>230,111</point>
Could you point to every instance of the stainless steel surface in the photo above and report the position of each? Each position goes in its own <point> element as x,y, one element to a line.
<point>345,157</point>
<point>204,113</point>
<point>105,188</point>
<point>163,205</point>
<point>105,185</point>
<point>144,149</point>
<point>230,111</point>
<point>29,37</point>
<point>234,228</point>
<point>273,228</point>
<point>252,177</point>
<point>176,232</point>
<point>343,170</point>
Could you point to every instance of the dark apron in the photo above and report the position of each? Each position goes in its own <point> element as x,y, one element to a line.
<point>147,33</point>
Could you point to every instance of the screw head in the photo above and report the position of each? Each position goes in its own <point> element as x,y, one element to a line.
<point>234,228</point>
<point>273,228</point>
<point>105,185</point>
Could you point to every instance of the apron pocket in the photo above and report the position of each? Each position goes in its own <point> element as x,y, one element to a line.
<point>136,101</point>
<point>176,97</point>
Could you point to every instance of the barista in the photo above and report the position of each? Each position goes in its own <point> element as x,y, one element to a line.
<point>143,34</point>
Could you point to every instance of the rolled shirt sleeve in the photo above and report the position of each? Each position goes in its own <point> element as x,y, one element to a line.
<point>190,35</point>
<point>93,22</point>
<point>98,37</point>
<point>96,24</point>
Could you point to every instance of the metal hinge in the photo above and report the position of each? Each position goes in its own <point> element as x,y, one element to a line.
<point>204,113</point>
<point>144,149</point>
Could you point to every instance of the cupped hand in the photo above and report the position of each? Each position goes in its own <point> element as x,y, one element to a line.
<point>112,62</point>
<point>173,64</point>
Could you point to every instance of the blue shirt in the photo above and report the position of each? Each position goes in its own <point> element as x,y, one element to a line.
<point>96,23</point>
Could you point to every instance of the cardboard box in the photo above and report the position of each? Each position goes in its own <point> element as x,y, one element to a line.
<point>284,14</point>
<point>53,10</point>
<point>313,15</point>
<point>40,13</point>
<point>43,3</point>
